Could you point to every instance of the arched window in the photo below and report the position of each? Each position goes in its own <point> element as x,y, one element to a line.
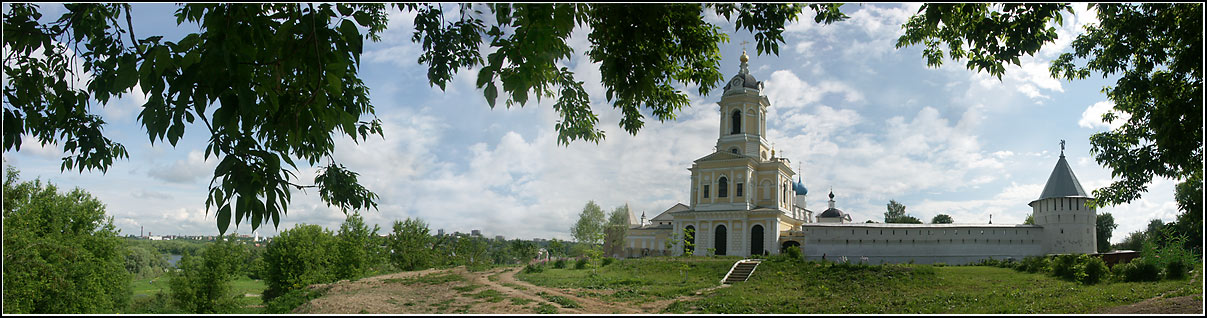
<point>735,124</point>
<point>722,187</point>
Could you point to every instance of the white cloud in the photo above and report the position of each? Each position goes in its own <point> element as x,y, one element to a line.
<point>1092,116</point>
<point>189,170</point>
<point>32,145</point>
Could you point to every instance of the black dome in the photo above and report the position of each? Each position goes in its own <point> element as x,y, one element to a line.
<point>831,213</point>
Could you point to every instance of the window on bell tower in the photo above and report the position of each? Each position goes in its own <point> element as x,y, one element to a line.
<point>722,187</point>
<point>735,124</point>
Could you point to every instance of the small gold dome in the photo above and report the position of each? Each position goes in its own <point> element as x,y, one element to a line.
<point>744,58</point>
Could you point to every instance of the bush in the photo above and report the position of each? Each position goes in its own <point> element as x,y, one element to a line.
<point>297,258</point>
<point>607,261</point>
<point>559,264</point>
<point>159,303</point>
<point>286,302</point>
<point>1175,269</point>
<point>1091,270</point>
<point>792,253</point>
<point>1140,270</point>
<point>1064,266</point>
<point>533,268</point>
<point>203,284</point>
<point>580,264</point>
<point>1033,264</point>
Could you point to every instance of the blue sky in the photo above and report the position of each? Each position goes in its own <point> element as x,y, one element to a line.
<point>871,122</point>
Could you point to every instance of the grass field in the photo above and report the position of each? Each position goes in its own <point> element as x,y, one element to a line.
<point>639,280</point>
<point>794,287</point>
<point>146,289</point>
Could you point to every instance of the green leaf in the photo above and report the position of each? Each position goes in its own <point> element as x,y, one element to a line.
<point>491,92</point>
<point>224,219</point>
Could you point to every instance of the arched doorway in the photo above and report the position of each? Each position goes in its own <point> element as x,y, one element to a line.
<point>689,240</point>
<point>756,240</point>
<point>784,247</point>
<point>719,241</point>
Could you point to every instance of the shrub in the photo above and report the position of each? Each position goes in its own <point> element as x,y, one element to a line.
<point>285,303</point>
<point>203,284</point>
<point>792,253</point>
<point>1140,270</point>
<point>580,264</point>
<point>607,261</point>
<point>1175,269</point>
<point>1091,270</point>
<point>1033,264</point>
<point>533,268</point>
<point>297,258</point>
<point>560,264</point>
<point>1064,266</point>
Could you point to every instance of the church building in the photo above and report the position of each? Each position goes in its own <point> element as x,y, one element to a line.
<point>744,202</point>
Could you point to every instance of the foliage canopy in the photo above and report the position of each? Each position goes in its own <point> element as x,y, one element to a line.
<point>61,253</point>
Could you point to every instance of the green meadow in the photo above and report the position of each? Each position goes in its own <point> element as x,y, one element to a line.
<point>786,287</point>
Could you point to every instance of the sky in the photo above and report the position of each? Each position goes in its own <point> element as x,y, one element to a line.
<point>868,121</point>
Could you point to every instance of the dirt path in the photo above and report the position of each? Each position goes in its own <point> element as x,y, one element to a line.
<point>588,305</point>
<point>491,292</point>
<point>1190,304</point>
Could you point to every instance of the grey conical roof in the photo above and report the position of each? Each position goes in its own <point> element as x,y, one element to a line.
<point>1062,183</point>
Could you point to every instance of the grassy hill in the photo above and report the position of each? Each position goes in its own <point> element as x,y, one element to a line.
<point>807,287</point>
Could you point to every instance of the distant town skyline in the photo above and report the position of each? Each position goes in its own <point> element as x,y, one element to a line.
<point>858,116</point>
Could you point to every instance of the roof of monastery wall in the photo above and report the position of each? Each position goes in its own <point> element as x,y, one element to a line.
<point>923,226</point>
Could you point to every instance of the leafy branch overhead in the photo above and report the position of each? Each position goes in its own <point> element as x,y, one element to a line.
<point>273,83</point>
<point>642,50</point>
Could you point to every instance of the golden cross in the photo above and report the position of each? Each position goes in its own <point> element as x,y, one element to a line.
<point>744,43</point>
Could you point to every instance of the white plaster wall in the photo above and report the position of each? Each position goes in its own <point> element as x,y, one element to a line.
<point>924,244</point>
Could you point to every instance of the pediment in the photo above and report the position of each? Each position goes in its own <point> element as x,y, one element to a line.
<point>721,155</point>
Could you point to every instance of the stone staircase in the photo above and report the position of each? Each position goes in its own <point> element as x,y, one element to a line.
<point>740,271</point>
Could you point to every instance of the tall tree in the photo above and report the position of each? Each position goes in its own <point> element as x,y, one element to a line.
<point>590,225</point>
<point>358,247</point>
<point>203,284</point>
<point>1105,226</point>
<point>896,214</point>
<point>616,230</point>
<point>409,244</point>
<point>895,211</point>
<point>1156,50</point>
<point>942,219</point>
<point>297,258</point>
<point>62,255</point>
<point>274,83</point>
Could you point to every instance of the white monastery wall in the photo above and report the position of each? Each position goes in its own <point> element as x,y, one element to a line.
<point>923,244</point>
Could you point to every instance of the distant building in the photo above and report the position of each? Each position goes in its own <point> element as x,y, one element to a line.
<point>499,237</point>
<point>440,232</point>
<point>476,233</point>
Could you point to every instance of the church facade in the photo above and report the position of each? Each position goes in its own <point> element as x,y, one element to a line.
<point>744,202</point>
